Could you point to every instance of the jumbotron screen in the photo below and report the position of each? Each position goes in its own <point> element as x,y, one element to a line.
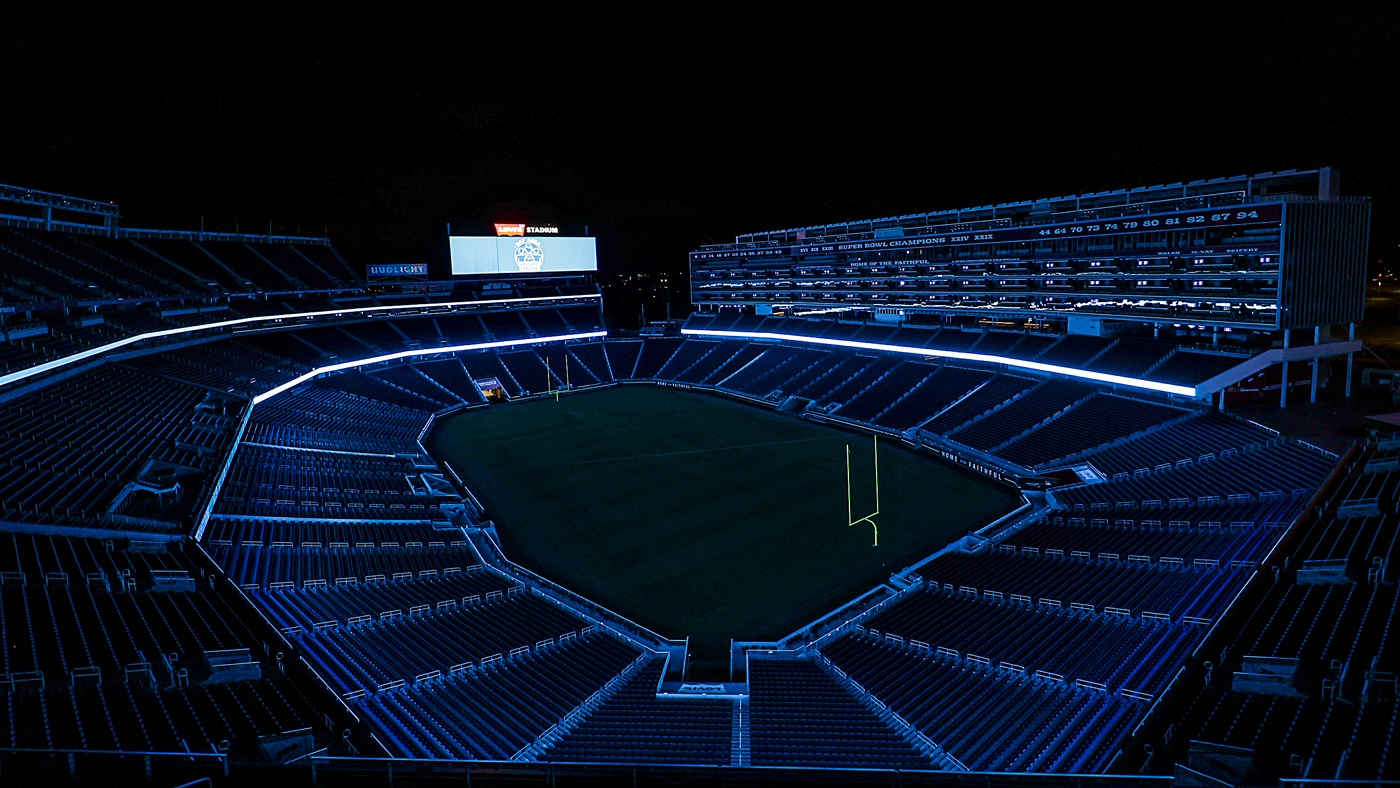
<point>476,255</point>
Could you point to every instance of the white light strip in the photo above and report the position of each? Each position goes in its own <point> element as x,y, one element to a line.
<point>1117,380</point>
<point>39,369</point>
<point>421,352</point>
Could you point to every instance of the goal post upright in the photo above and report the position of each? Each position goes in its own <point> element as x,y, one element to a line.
<point>870,518</point>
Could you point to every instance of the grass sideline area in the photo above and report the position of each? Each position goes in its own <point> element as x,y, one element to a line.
<point>699,516</point>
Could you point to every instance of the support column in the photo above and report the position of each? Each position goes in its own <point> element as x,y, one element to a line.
<point>1351,336</point>
<point>1283,389</point>
<point>1317,340</point>
<point>1222,400</point>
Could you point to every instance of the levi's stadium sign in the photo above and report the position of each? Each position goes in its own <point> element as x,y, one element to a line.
<point>525,229</point>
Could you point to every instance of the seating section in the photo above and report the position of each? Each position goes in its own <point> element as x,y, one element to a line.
<point>363,656</point>
<point>592,358</point>
<point>1072,623</point>
<point>635,726</point>
<point>1141,536</point>
<point>1098,420</point>
<point>717,356</point>
<point>565,367</point>
<point>1328,622</point>
<point>100,654</point>
<point>328,605</point>
<point>878,397</point>
<point>997,428</point>
<point>987,718</point>
<point>527,369</point>
<point>622,357</point>
<point>852,386</point>
<point>234,366</point>
<point>1170,590</point>
<point>43,267</point>
<point>71,450</point>
<point>979,401</point>
<point>495,711</point>
<point>452,376</point>
<point>1134,357</point>
<point>1119,652</point>
<point>276,565</point>
<point>687,354</point>
<point>802,717</point>
<point>332,533</point>
<point>329,419</point>
<point>1275,469</point>
<point>1198,436</point>
<point>266,481</point>
<point>131,285</point>
<point>1073,350</point>
<point>1131,357</point>
<point>1187,367</point>
<point>935,395</point>
<point>654,355</point>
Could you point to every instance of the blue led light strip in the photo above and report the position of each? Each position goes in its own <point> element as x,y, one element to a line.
<point>1099,377</point>
<point>47,366</point>
<point>272,392</point>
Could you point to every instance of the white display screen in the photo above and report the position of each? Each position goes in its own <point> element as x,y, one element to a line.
<point>475,255</point>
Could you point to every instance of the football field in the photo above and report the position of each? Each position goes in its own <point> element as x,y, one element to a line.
<point>699,516</point>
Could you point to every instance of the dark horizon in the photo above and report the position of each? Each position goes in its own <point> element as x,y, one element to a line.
<point>662,133</point>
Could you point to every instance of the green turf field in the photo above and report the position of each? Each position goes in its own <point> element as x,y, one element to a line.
<point>699,516</point>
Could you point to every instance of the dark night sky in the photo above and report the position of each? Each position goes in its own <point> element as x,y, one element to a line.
<point>661,129</point>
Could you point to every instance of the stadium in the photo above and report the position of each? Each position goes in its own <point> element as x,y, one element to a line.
<point>945,498</point>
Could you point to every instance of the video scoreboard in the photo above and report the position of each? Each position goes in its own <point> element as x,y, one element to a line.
<point>522,249</point>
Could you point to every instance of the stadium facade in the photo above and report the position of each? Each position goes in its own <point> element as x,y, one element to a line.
<point>225,546</point>
<point>1231,259</point>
